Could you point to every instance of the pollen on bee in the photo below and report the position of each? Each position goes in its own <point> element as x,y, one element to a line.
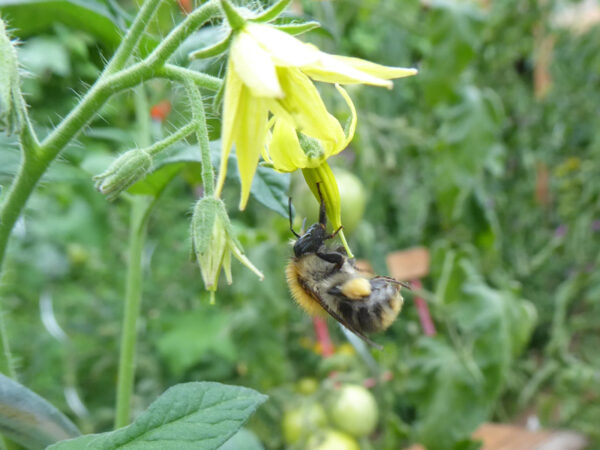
<point>356,288</point>
<point>302,297</point>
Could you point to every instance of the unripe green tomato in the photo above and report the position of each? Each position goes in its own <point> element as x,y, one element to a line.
<point>354,410</point>
<point>307,385</point>
<point>352,195</point>
<point>302,421</point>
<point>332,440</point>
<point>77,254</point>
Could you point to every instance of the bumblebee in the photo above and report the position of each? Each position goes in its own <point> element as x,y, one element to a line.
<point>323,280</point>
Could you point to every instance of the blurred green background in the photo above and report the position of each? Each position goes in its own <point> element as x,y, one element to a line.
<point>490,158</point>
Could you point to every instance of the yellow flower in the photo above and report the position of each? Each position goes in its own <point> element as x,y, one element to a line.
<point>289,149</point>
<point>270,71</point>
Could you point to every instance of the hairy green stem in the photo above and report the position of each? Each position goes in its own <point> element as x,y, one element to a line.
<point>159,146</point>
<point>174,39</point>
<point>180,74</point>
<point>28,138</point>
<point>133,296</point>
<point>134,34</point>
<point>199,117</point>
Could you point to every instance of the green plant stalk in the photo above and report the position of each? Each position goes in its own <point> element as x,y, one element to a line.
<point>134,34</point>
<point>180,134</point>
<point>140,208</point>
<point>8,366</point>
<point>199,117</point>
<point>140,211</point>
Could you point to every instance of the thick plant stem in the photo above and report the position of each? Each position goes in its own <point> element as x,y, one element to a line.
<point>24,183</point>
<point>133,296</point>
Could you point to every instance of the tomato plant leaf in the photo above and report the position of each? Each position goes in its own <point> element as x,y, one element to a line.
<point>29,17</point>
<point>30,420</point>
<point>198,415</point>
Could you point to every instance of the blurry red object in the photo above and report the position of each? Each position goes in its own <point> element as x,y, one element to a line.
<point>161,110</point>
<point>323,337</point>
<point>185,6</point>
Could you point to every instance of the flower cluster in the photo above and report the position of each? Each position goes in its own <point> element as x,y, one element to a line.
<point>272,106</point>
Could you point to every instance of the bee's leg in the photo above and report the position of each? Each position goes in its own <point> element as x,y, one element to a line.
<point>334,234</point>
<point>290,215</point>
<point>333,258</point>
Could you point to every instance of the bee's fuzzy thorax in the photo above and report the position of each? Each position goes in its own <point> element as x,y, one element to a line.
<point>302,297</point>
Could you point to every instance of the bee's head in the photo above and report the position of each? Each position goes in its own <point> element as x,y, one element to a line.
<point>311,241</point>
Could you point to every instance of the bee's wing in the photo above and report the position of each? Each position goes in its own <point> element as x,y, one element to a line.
<point>346,324</point>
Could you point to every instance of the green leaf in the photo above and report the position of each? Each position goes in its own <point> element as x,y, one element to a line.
<point>41,55</point>
<point>199,416</point>
<point>29,17</point>
<point>28,419</point>
<point>156,181</point>
<point>190,337</point>
<point>271,189</point>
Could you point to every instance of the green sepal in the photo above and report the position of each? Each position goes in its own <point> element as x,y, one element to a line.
<point>273,12</point>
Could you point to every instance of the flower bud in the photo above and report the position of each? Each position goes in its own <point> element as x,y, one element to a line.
<point>12,106</point>
<point>209,239</point>
<point>214,242</point>
<point>125,171</point>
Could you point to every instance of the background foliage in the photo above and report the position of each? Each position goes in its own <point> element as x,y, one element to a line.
<point>489,157</point>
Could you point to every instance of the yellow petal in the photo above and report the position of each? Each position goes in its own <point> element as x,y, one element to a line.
<point>344,70</point>
<point>284,150</point>
<point>251,137</point>
<point>254,66</point>
<point>234,96</point>
<point>353,120</point>
<point>385,72</point>
<point>263,152</point>
<point>284,48</point>
<point>303,102</point>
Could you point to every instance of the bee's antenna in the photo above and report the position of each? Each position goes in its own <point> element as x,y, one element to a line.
<point>303,226</point>
<point>394,281</point>
<point>322,214</point>
<point>290,216</point>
